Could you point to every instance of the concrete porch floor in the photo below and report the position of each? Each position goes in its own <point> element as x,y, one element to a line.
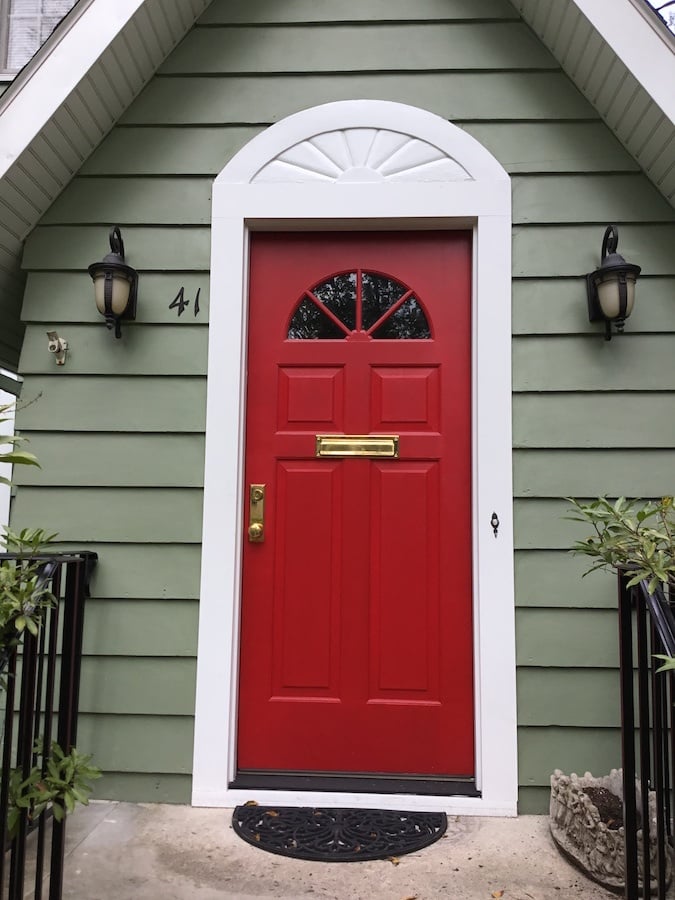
<point>124,851</point>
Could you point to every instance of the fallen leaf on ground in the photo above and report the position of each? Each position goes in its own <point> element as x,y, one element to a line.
<point>251,803</point>
<point>272,813</point>
<point>394,860</point>
<point>497,894</point>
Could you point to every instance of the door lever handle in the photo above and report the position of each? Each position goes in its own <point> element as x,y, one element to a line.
<point>256,513</point>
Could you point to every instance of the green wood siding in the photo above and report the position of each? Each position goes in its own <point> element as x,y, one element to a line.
<point>58,401</point>
<point>143,787</point>
<point>360,48</point>
<point>594,419</point>
<point>115,515</point>
<point>138,460</point>
<point>256,99</point>
<point>119,428</point>
<point>226,12</point>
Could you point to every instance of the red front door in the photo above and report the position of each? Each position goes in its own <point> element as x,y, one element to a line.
<point>356,631</point>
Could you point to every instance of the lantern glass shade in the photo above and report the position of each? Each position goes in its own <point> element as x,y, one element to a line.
<point>609,294</point>
<point>610,289</point>
<point>121,288</point>
<point>115,284</point>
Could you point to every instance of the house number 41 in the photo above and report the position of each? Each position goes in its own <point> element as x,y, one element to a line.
<point>181,304</point>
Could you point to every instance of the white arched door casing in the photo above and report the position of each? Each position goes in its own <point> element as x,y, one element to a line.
<point>361,165</point>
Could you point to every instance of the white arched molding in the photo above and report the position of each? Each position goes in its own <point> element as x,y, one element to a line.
<point>360,165</point>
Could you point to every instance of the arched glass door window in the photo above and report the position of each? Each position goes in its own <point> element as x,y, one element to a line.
<point>359,305</point>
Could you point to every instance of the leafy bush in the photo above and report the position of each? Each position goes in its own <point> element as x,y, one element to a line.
<point>23,592</point>
<point>63,784</point>
<point>636,535</point>
<point>13,456</point>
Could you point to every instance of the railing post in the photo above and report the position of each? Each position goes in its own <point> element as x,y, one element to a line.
<point>643,648</point>
<point>658,726</point>
<point>7,761</point>
<point>628,738</point>
<point>24,756</point>
<point>31,715</point>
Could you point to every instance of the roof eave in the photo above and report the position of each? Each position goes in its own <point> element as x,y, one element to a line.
<point>622,62</point>
<point>59,92</point>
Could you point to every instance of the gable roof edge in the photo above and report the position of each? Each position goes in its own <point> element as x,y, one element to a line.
<point>621,59</point>
<point>641,45</point>
<point>48,79</point>
<point>61,106</point>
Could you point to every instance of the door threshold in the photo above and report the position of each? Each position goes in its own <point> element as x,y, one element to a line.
<point>424,785</point>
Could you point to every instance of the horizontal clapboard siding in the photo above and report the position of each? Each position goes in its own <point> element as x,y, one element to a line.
<point>147,350</point>
<point>572,637</point>
<point>70,294</point>
<point>135,460</point>
<point>201,150</point>
<point>542,749</point>
<point>143,787</point>
<point>536,199</point>
<point>564,697</point>
<point>226,12</point>
<point>553,306</point>
<point>256,99</point>
<point>138,743</point>
<point>119,428</point>
<point>555,579</point>
<point>67,403</point>
<point>583,473</point>
<point>539,250</point>
<point>144,572</point>
<point>137,627</point>
<point>366,47</point>
<point>595,419</point>
<point>112,515</point>
<point>131,686</point>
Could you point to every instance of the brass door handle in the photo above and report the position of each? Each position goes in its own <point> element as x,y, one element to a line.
<point>255,532</point>
<point>256,513</point>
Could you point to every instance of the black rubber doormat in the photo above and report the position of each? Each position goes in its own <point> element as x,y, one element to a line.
<point>337,835</point>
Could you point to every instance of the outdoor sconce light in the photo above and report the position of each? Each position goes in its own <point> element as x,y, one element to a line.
<point>611,288</point>
<point>115,284</point>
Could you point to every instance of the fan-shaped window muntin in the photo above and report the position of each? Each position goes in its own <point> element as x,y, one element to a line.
<point>364,303</point>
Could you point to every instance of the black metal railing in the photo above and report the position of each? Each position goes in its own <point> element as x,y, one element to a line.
<point>41,696</point>
<point>646,628</point>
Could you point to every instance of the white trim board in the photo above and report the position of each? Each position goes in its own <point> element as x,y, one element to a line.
<point>439,177</point>
<point>6,429</point>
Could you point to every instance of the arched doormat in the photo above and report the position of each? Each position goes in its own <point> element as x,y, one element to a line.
<point>337,835</point>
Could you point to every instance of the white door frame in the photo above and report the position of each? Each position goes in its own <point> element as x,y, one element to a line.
<point>358,165</point>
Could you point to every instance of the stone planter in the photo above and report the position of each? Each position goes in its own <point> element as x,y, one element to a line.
<point>587,841</point>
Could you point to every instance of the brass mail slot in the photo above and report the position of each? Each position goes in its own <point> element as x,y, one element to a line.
<point>357,445</point>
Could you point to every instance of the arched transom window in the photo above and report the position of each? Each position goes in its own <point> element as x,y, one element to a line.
<point>359,305</point>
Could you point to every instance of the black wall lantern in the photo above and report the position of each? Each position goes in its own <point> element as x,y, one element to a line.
<point>611,288</point>
<point>115,284</point>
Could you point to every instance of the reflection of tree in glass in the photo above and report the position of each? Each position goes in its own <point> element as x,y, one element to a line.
<point>338,294</point>
<point>310,323</point>
<point>378,295</point>
<point>407,322</point>
<point>341,296</point>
